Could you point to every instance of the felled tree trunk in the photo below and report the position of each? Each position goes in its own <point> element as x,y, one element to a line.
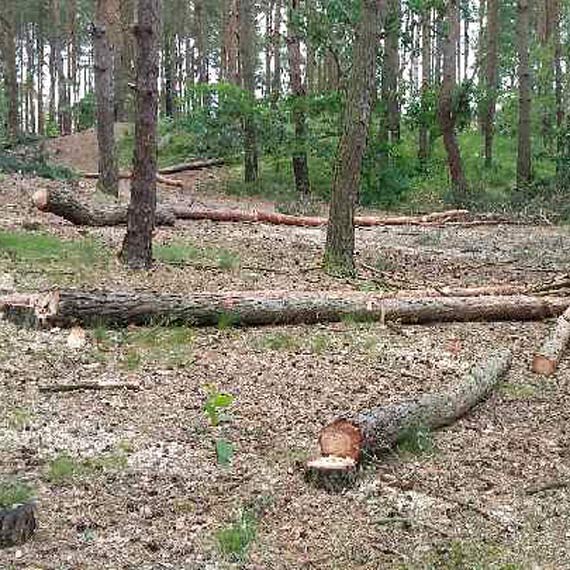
<point>546,361</point>
<point>348,440</point>
<point>194,165</point>
<point>65,205</point>
<point>126,175</point>
<point>73,307</point>
<point>17,525</point>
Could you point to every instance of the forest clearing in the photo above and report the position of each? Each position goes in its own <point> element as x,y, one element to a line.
<point>284,285</point>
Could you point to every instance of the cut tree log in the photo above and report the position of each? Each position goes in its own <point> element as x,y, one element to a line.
<point>546,361</point>
<point>64,204</point>
<point>123,175</point>
<point>17,525</point>
<point>350,439</point>
<point>55,388</point>
<point>72,307</point>
<point>194,165</point>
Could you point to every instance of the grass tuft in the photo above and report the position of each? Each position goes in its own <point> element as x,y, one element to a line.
<point>234,540</point>
<point>13,493</point>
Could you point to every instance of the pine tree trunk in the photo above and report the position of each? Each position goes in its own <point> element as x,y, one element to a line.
<point>137,246</point>
<point>339,253</point>
<point>268,46</point>
<point>424,142</point>
<point>491,78</point>
<point>8,47</point>
<point>40,45</point>
<point>445,113</point>
<point>390,126</point>
<point>247,58</point>
<point>31,67</point>
<point>524,165</point>
<point>124,55</point>
<point>300,165</point>
<point>276,41</point>
<point>168,58</point>
<point>104,91</point>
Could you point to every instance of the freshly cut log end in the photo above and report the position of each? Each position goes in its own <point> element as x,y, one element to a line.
<point>40,199</point>
<point>341,439</point>
<point>17,525</point>
<point>546,361</point>
<point>543,365</point>
<point>331,473</point>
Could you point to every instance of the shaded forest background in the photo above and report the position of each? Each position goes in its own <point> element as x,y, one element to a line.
<point>282,67</point>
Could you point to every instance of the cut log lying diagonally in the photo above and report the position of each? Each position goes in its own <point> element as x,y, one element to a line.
<point>65,204</point>
<point>73,307</point>
<point>350,439</point>
<point>126,175</point>
<point>546,361</point>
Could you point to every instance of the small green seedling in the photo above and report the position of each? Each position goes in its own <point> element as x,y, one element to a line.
<point>216,402</point>
<point>234,540</point>
<point>416,440</point>
<point>14,493</point>
<point>224,451</point>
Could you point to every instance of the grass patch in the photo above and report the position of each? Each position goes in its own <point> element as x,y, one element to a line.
<point>234,540</point>
<point>25,249</point>
<point>187,253</point>
<point>280,341</point>
<point>13,493</point>
<point>519,391</point>
<point>65,470</point>
<point>18,418</point>
<point>227,320</point>
<point>416,441</point>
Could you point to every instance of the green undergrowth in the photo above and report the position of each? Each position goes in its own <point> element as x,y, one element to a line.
<point>188,253</point>
<point>13,493</point>
<point>34,164</point>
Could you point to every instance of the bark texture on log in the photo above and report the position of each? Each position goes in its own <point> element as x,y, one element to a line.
<point>369,433</point>
<point>194,165</point>
<point>127,175</point>
<point>17,525</point>
<point>72,307</point>
<point>64,204</point>
<point>546,361</point>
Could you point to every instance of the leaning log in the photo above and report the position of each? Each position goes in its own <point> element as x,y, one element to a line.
<point>85,308</point>
<point>17,524</point>
<point>350,439</point>
<point>64,204</point>
<point>124,175</point>
<point>546,361</point>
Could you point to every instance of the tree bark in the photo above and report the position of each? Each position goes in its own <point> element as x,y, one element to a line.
<point>424,136</point>
<point>64,204</point>
<point>390,126</point>
<point>445,111</point>
<point>491,78</point>
<point>546,361</point>
<point>372,432</point>
<point>247,58</point>
<point>85,308</point>
<point>339,253</point>
<point>8,47</point>
<point>300,164</point>
<point>104,92</point>
<point>137,246</point>
<point>230,56</point>
<point>17,525</point>
<point>276,41</point>
<point>40,44</point>
<point>124,61</point>
<point>524,161</point>
<point>169,67</point>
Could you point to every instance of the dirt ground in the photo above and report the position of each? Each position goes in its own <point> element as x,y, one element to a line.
<point>145,489</point>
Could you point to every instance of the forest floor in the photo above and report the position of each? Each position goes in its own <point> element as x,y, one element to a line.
<point>131,479</point>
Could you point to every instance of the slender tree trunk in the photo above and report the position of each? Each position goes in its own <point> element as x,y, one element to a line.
<point>247,58</point>
<point>424,142</point>
<point>339,253</point>
<point>124,54</point>
<point>300,166</point>
<point>41,56</point>
<point>445,113</point>
<point>104,91</point>
<point>390,127</point>
<point>268,46</point>
<point>31,68</point>
<point>230,57</point>
<point>201,51</point>
<point>137,246</point>
<point>491,78</point>
<point>168,55</point>
<point>524,166</point>
<point>276,85</point>
<point>8,47</point>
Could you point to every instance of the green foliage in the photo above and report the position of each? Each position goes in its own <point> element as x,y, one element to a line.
<point>416,440</point>
<point>216,402</point>
<point>234,540</point>
<point>187,253</point>
<point>34,164</point>
<point>227,320</point>
<point>18,418</point>
<point>63,469</point>
<point>85,112</point>
<point>224,451</point>
<point>280,341</point>
<point>14,493</point>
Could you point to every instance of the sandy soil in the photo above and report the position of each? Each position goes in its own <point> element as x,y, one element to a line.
<point>148,492</point>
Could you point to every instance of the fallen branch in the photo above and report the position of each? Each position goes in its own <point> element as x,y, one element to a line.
<point>346,441</point>
<point>54,388</point>
<point>547,486</point>
<point>194,165</point>
<point>72,307</point>
<point>546,361</point>
<point>64,204</point>
<point>126,175</point>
